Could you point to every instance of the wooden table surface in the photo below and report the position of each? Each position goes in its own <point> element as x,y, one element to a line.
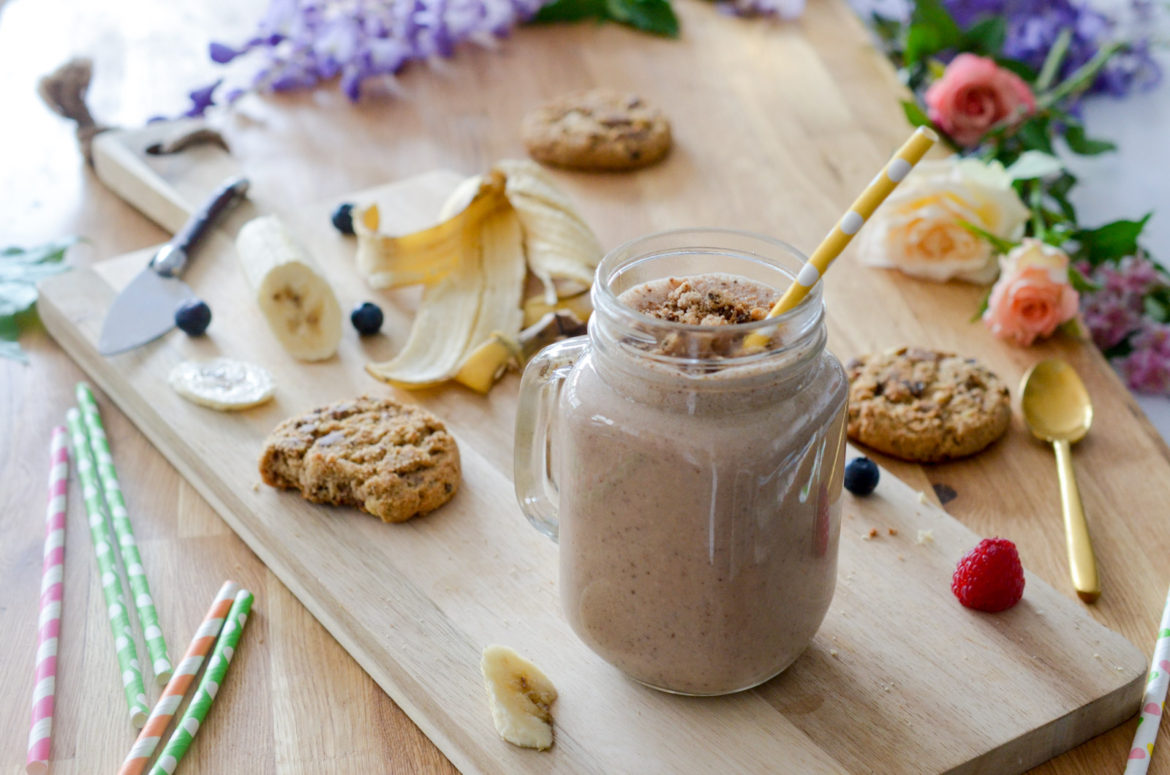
<point>269,718</point>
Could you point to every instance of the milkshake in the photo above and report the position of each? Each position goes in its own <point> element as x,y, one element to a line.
<point>698,483</point>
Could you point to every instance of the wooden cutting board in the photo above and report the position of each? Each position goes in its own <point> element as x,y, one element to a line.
<point>899,679</point>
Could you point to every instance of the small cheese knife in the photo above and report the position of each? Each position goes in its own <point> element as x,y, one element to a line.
<point>145,309</point>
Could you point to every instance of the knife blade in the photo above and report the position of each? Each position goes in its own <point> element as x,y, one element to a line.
<point>145,309</point>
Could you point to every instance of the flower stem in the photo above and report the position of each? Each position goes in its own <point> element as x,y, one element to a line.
<point>1082,78</point>
<point>1054,60</point>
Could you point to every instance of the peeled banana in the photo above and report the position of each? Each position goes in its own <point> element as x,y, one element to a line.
<point>294,297</point>
<point>520,696</point>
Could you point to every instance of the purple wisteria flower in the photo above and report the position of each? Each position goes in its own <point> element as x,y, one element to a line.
<point>1116,316</point>
<point>1147,368</point>
<point>1115,310</point>
<point>299,43</point>
<point>1034,25</point>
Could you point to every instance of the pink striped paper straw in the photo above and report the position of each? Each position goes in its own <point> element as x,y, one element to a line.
<point>40,736</point>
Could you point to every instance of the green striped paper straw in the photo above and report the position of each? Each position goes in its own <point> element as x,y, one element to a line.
<point>196,712</point>
<point>156,647</point>
<point>103,546</point>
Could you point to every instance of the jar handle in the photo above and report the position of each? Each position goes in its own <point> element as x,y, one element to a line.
<point>540,391</point>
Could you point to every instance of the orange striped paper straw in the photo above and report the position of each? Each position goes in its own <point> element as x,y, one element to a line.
<point>176,688</point>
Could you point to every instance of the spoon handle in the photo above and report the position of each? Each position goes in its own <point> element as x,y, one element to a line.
<point>1082,564</point>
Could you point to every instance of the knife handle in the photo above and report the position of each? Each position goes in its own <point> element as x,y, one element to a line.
<point>172,257</point>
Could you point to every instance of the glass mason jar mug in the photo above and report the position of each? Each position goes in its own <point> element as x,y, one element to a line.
<point>693,484</point>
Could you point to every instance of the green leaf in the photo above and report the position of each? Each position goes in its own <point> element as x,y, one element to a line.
<point>986,36</point>
<point>1155,308</point>
<point>933,14</point>
<point>16,298</point>
<point>1079,282</point>
<point>889,31</point>
<point>53,253</point>
<point>29,275</point>
<point>1075,328</point>
<point>1035,134</point>
<point>1078,142</point>
<point>570,11</point>
<point>921,42</point>
<point>1058,191</point>
<point>20,269</point>
<point>983,304</point>
<point>653,16</point>
<point>1111,241</point>
<point>1001,245</point>
<point>1034,164</point>
<point>12,351</point>
<point>915,114</point>
<point>1017,67</point>
<point>9,348</point>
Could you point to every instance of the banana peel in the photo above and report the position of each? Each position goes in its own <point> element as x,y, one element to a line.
<point>536,307</point>
<point>462,310</point>
<point>426,256</point>
<point>469,323</point>
<point>562,251</point>
<point>488,362</point>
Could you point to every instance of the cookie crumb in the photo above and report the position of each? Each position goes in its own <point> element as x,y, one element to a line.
<point>711,301</point>
<point>892,531</point>
<point>872,534</point>
<point>924,537</point>
<point>833,653</point>
<point>922,497</point>
<point>256,486</point>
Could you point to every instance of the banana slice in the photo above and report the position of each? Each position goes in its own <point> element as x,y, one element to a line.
<point>426,256</point>
<point>520,696</point>
<point>294,297</point>
<point>463,310</point>
<point>223,383</point>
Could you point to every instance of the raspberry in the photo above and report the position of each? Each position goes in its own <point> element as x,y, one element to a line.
<point>990,576</point>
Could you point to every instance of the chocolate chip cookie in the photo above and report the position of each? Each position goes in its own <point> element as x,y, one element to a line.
<point>390,460</point>
<point>924,405</point>
<point>600,129</point>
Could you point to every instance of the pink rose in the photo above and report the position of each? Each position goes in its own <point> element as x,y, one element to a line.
<point>1032,296</point>
<point>974,95</point>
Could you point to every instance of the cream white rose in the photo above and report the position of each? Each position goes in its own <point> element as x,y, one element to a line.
<point>919,228</point>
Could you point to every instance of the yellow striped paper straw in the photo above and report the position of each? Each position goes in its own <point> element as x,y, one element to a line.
<point>831,246</point>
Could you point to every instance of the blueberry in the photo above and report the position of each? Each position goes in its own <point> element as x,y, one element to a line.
<point>366,318</point>
<point>861,476</point>
<point>343,218</point>
<point>193,316</point>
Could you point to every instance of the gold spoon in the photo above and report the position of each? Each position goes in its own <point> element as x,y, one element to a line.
<point>1057,409</point>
